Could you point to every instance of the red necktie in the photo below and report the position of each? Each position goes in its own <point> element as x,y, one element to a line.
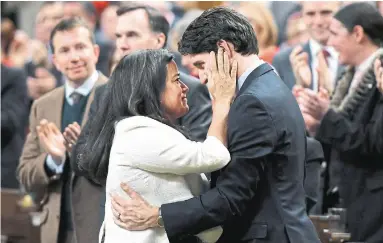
<point>326,55</point>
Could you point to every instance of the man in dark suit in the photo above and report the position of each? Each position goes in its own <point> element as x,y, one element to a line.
<point>259,196</point>
<point>14,113</point>
<point>317,17</point>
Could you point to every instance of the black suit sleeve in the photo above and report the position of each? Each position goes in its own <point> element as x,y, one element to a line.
<point>14,102</point>
<point>198,119</point>
<point>77,148</point>
<point>314,159</point>
<point>337,130</point>
<point>252,138</point>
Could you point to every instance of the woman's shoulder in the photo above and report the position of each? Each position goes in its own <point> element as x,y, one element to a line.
<point>139,122</point>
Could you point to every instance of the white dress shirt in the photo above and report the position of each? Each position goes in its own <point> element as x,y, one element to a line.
<point>332,60</point>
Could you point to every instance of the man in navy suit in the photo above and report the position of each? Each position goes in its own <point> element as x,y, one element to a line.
<point>317,17</point>
<point>259,196</point>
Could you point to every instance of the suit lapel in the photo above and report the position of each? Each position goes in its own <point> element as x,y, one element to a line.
<point>57,103</point>
<point>256,73</point>
<point>101,80</point>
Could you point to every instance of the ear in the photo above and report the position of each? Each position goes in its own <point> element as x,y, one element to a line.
<point>54,60</point>
<point>358,33</point>
<point>160,40</point>
<point>229,48</point>
<point>96,50</point>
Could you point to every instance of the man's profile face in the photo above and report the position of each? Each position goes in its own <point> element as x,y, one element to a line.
<point>202,63</point>
<point>133,33</point>
<point>317,17</point>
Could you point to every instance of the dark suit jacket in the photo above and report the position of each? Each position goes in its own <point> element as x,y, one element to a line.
<point>259,195</point>
<point>14,116</point>
<point>314,159</point>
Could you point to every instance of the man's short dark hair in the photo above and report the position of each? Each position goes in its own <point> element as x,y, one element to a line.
<point>70,24</point>
<point>217,24</point>
<point>157,21</point>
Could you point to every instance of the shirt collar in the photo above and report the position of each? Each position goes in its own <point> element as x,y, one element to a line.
<point>316,47</point>
<point>243,77</point>
<point>84,89</point>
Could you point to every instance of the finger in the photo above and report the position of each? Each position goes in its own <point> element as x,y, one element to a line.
<point>77,126</point>
<point>115,211</point>
<point>120,224</point>
<point>220,61</point>
<point>117,205</point>
<point>133,194</point>
<point>294,53</point>
<point>234,69</point>
<point>213,62</point>
<point>72,138</point>
<point>66,138</point>
<point>226,63</point>
<point>75,129</point>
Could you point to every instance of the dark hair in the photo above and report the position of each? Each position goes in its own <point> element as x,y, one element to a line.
<point>365,15</point>
<point>70,24</point>
<point>157,21</point>
<point>217,24</point>
<point>134,89</point>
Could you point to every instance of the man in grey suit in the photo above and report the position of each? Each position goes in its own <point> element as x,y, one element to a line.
<point>317,17</point>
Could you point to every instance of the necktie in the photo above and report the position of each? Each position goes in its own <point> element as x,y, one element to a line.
<point>76,97</point>
<point>326,55</point>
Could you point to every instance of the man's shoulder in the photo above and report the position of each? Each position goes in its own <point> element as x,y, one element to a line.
<point>52,95</point>
<point>282,56</point>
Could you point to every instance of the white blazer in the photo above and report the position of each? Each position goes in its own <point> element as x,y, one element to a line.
<point>161,165</point>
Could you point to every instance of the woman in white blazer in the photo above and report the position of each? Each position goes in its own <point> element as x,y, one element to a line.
<point>134,139</point>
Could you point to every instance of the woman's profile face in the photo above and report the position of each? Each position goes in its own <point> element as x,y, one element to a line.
<point>173,98</point>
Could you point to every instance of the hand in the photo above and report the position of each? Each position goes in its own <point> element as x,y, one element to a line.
<point>324,74</point>
<point>52,140</point>
<point>222,80</point>
<point>314,104</point>
<point>301,69</point>
<point>71,134</point>
<point>378,70</point>
<point>133,214</point>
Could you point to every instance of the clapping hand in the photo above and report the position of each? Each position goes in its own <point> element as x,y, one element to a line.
<point>300,64</point>
<point>52,140</point>
<point>71,134</point>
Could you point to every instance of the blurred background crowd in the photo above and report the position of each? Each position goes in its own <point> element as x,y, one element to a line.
<point>28,72</point>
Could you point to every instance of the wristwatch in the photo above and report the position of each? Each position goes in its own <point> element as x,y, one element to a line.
<point>160,221</point>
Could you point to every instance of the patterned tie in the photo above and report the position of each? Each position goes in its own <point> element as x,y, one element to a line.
<point>76,97</point>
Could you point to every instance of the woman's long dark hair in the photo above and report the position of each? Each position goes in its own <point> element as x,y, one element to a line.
<point>134,89</point>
